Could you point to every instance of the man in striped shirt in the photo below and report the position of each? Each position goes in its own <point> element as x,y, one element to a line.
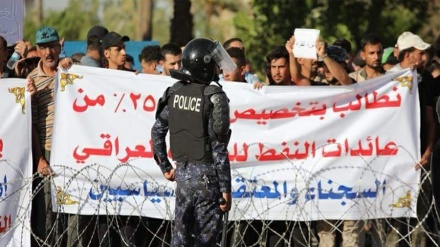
<point>48,48</point>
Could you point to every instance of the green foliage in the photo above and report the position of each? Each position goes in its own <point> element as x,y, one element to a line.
<point>161,21</point>
<point>272,24</point>
<point>273,21</point>
<point>118,16</point>
<point>214,19</point>
<point>261,24</point>
<point>72,23</point>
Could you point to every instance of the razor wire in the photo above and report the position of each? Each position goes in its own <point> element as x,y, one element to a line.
<point>134,230</point>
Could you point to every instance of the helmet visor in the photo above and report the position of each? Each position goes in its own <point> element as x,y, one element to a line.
<point>222,58</point>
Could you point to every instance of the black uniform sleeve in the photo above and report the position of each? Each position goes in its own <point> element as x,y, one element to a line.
<point>158,134</point>
<point>219,123</point>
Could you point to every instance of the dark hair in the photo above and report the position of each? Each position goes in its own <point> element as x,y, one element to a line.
<point>276,53</point>
<point>129,58</point>
<point>403,52</point>
<point>228,42</point>
<point>344,44</point>
<point>437,46</point>
<point>77,56</point>
<point>33,48</point>
<point>358,60</point>
<point>391,60</point>
<point>238,54</point>
<point>370,39</point>
<point>171,48</point>
<point>3,43</point>
<point>150,53</point>
<point>93,43</point>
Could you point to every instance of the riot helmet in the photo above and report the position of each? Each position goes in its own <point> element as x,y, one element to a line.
<point>200,60</point>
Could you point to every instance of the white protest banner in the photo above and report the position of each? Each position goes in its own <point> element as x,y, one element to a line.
<point>16,163</point>
<point>11,20</point>
<point>297,153</point>
<point>305,40</point>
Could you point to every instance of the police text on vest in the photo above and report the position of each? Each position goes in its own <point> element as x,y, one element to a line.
<point>187,103</point>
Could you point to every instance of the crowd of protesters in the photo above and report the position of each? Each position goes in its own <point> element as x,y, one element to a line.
<point>336,64</point>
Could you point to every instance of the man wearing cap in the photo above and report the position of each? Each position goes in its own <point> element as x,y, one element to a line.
<point>48,48</point>
<point>130,228</point>
<point>94,51</point>
<point>113,45</point>
<point>411,50</point>
<point>411,54</point>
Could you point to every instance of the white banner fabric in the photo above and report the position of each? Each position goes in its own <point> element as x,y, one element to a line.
<point>297,153</point>
<point>16,163</point>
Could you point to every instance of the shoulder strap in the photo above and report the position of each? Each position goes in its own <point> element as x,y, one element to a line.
<point>212,89</point>
<point>163,101</point>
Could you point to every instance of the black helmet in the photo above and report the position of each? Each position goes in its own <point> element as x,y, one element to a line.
<point>199,61</point>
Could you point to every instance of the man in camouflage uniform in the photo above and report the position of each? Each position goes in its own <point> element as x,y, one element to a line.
<point>196,112</point>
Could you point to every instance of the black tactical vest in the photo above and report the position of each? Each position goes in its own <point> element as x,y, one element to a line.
<point>188,124</point>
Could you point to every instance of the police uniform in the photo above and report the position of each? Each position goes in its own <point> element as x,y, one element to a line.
<point>197,117</point>
<point>203,169</point>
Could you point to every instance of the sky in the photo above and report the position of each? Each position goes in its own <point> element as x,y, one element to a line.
<point>55,4</point>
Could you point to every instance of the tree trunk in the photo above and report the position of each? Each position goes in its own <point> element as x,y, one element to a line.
<point>182,23</point>
<point>144,27</point>
<point>28,5</point>
<point>39,15</point>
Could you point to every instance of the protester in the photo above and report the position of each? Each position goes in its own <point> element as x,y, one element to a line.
<point>249,75</point>
<point>151,60</point>
<point>129,62</point>
<point>411,50</point>
<point>44,221</point>
<point>350,55</point>
<point>172,56</point>
<point>278,72</point>
<point>358,62</point>
<point>371,53</point>
<point>388,58</point>
<point>238,75</point>
<point>94,52</point>
<point>277,232</point>
<point>132,228</point>
<point>202,171</point>
<point>234,42</point>
<point>333,58</point>
<point>113,45</point>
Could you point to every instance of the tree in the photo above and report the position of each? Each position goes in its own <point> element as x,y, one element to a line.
<point>145,20</point>
<point>181,27</point>
<point>272,22</point>
<point>72,23</point>
<point>269,23</point>
<point>215,19</point>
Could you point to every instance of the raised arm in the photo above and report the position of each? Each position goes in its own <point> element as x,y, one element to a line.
<point>334,67</point>
<point>294,67</point>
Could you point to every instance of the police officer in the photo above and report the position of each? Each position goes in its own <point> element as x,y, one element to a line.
<point>196,112</point>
